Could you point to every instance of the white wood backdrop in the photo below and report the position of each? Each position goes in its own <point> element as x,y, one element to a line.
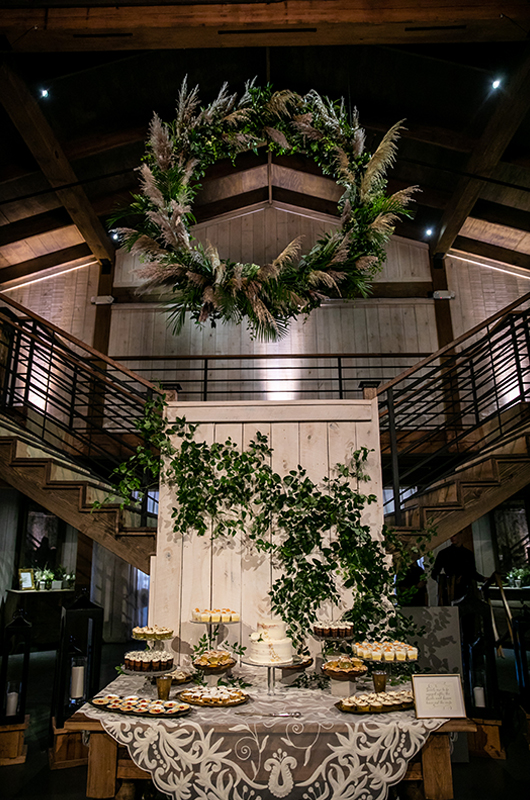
<point>194,572</point>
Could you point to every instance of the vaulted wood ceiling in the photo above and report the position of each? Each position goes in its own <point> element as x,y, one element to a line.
<point>69,158</point>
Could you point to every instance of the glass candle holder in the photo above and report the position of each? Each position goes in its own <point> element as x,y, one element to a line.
<point>379,678</point>
<point>78,680</point>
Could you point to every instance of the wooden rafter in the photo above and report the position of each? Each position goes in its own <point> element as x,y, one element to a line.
<point>511,109</point>
<point>491,251</point>
<point>35,265</point>
<point>40,139</point>
<point>294,22</point>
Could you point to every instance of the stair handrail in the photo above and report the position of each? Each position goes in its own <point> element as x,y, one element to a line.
<point>451,346</point>
<point>93,353</point>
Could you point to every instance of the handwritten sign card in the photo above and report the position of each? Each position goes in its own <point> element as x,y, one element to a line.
<point>438,696</point>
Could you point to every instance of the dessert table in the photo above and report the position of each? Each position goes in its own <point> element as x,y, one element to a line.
<point>243,752</point>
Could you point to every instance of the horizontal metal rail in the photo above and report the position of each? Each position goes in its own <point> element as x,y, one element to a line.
<point>271,377</point>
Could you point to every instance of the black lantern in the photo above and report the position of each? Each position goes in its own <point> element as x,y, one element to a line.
<point>14,670</point>
<point>78,658</point>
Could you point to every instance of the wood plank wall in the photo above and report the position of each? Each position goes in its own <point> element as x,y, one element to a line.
<point>197,572</point>
<point>63,299</point>
<point>481,290</point>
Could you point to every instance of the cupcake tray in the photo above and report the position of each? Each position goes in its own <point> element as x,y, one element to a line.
<point>384,710</point>
<point>148,714</point>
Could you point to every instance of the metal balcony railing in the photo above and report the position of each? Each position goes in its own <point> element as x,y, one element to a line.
<point>76,400</point>
<point>456,405</point>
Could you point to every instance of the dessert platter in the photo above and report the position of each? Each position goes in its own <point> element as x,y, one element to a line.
<point>140,706</point>
<point>333,630</point>
<point>385,651</point>
<point>214,696</point>
<point>214,662</point>
<point>344,668</point>
<point>377,702</point>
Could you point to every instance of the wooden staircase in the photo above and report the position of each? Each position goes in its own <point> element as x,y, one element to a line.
<point>67,490</point>
<point>474,489</point>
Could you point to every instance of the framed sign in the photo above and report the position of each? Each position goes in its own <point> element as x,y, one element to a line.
<point>438,696</point>
<point>25,579</point>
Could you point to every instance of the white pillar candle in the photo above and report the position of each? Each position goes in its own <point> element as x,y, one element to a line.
<point>78,679</point>
<point>12,703</point>
<point>480,698</point>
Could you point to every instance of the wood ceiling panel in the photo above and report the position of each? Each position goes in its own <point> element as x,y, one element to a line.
<point>498,235</point>
<point>35,246</point>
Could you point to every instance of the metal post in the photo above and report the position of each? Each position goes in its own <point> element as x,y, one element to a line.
<point>205,381</point>
<point>394,455</point>
<point>339,369</point>
<point>517,357</point>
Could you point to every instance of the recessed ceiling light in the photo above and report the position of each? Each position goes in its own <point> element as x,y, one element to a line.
<point>496,83</point>
<point>428,232</point>
<point>44,93</point>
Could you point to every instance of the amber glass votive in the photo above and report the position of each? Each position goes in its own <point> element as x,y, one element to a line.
<point>163,685</point>
<point>379,677</point>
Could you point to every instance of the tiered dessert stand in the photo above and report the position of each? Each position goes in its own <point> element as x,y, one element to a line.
<point>271,673</point>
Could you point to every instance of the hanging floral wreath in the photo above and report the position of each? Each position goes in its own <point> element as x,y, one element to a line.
<point>267,297</point>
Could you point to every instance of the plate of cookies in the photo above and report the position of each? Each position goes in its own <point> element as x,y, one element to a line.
<point>140,706</point>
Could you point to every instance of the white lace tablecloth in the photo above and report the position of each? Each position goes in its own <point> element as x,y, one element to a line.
<point>220,754</point>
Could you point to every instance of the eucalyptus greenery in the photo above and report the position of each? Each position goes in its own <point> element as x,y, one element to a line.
<point>205,286</point>
<point>313,532</point>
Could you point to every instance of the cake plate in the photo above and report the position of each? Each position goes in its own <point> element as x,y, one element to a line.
<point>271,674</point>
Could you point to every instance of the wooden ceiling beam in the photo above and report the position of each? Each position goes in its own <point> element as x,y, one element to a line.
<point>293,22</point>
<point>511,109</point>
<point>498,214</point>
<point>35,265</point>
<point>40,139</point>
<point>34,226</point>
<point>491,251</point>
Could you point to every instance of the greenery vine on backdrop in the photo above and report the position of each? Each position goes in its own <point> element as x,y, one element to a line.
<point>313,532</point>
<point>207,287</point>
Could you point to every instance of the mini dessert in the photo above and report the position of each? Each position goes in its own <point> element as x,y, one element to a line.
<point>269,644</point>
<point>100,701</point>
<point>335,630</point>
<point>154,632</point>
<point>382,702</point>
<point>344,668</point>
<point>215,615</point>
<point>214,660</point>
<point>148,660</point>
<point>386,651</point>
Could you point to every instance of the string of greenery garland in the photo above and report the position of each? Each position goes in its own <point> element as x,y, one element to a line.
<point>200,283</point>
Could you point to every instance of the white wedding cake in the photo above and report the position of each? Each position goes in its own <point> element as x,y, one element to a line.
<point>269,644</point>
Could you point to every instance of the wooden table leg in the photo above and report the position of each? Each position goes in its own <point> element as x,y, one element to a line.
<point>436,766</point>
<point>102,766</point>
